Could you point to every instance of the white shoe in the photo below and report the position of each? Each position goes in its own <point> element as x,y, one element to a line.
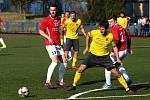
<point>106,86</point>
<point>3,47</point>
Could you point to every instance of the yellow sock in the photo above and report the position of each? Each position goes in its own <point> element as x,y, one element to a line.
<point>61,41</point>
<point>74,62</point>
<point>76,78</point>
<point>123,82</point>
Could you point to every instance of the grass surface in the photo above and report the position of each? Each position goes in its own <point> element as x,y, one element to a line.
<point>25,61</point>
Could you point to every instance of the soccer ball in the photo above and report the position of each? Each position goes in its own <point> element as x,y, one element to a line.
<point>23,91</point>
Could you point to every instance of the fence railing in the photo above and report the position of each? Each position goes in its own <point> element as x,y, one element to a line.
<point>33,27</point>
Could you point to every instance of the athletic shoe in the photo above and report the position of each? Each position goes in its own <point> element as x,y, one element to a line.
<point>129,82</point>
<point>70,88</point>
<point>130,92</point>
<point>49,85</point>
<point>61,83</point>
<point>74,68</point>
<point>69,58</point>
<point>106,86</point>
<point>3,47</point>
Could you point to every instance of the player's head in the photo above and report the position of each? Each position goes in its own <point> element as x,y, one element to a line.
<point>62,15</point>
<point>112,20</point>
<point>53,10</point>
<point>67,14</point>
<point>122,14</point>
<point>73,15</point>
<point>103,27</point>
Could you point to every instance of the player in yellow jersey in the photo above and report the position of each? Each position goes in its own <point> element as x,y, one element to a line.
<point>72,25</point>
<point>122,20</point>
<point>99,55</point>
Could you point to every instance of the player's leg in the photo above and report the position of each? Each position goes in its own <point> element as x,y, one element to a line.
<point>53,56</point>
<point>108,84</point>
<point>89,61</point>
<point>68,47</point>
<point>2,42</point>
<point>108,64</point>
<point>63,66</point>
<point>121,80</point>
<point>77,77</point>
<point>69,53</point>
<point>122,55</point>
<point>75,56</point>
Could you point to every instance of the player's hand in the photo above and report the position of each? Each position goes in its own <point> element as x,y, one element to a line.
<point>51,41</point>
<point>4,30</point>
<point>119,61</point>
<point>85,51</point>
<point>130,51</point>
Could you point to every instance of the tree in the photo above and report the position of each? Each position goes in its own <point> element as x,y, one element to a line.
<point>21,4</point>
<point>102,9</point>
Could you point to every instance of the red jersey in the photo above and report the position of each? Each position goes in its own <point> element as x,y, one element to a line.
<point>63,22</point>
<point>1,21</point>
<point>51,27</point>
<point>122,37</point>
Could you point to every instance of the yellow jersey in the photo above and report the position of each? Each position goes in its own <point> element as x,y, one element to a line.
<point>99,44</point>
<point>122,21</point>
<point>72,28</point>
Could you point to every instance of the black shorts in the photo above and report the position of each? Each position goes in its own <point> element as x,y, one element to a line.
<point>72,43</point>
<point>103,61</point>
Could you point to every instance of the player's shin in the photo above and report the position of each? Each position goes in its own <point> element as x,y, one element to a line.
<point>108,77</point>
<point>76,78</point>
<point>123,82</point>
<point>74,62</point>
<point>62,71</point>
<point>124,73</point>
<point>120,78</point>
<point>50,71</point>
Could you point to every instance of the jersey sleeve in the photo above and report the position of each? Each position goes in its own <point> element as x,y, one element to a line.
<point>116,35</point>
<point>44,25</point>
<point>128,39</point>
<point>66,22</point>
<point>90,34</point>
<point>113,43</point>
<point>1,21</point>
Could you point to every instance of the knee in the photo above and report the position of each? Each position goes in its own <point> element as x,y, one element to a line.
<point>81,68</point>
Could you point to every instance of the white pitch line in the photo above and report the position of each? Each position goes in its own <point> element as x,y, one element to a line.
<point>106,97</point>
<point>85,92</point>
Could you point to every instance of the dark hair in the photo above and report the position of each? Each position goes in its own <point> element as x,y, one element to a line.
<point>122,13</point>
<point>54,5</point>
<point>104,24</point>
<point>73,12</point>
<point>67,11</point>
<point>114,17</point>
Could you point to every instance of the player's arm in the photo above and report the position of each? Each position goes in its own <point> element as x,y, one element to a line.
<point>115,49</point>
<point>83,31</point>
<point>128,42</point>
<point>42,33</point>
<point>43,27</point>
<point>115,35</point>
<point>87,44</point>
<point>3,27</point>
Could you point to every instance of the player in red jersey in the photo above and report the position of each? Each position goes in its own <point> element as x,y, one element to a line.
<point>123,42</point>
<point>4,29</point>
<point>50,30</point>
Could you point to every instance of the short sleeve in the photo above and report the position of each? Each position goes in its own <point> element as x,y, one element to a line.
<point>113,43</point>
<point>44,25</point>
<point>90,34</point>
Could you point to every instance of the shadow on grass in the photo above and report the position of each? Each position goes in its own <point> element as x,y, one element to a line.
<point>93,82</point>
<point>139,86</point>
<point>6,54</point>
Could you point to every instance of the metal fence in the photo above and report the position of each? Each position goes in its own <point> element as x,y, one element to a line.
<point>33,27</point>
<point>22,27</point>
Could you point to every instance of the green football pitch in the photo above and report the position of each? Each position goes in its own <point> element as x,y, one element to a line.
<point>25,61</point>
